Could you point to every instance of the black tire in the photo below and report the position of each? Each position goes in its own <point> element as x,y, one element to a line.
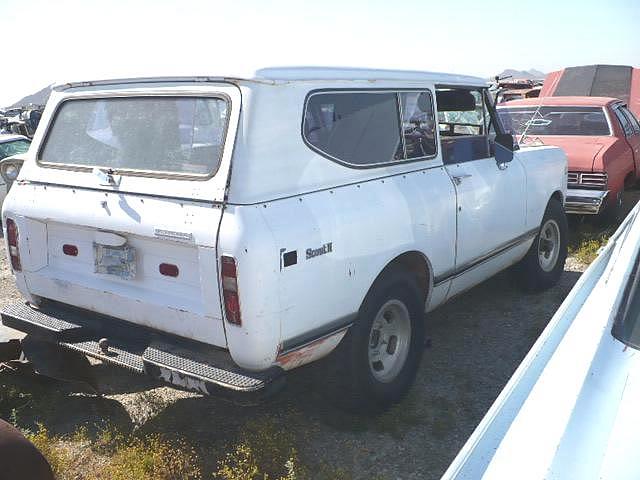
<point>351,382</point>
<point>530,272</point>
<point>613,212</point>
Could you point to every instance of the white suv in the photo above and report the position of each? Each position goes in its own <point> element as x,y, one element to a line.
<point>215,232</point>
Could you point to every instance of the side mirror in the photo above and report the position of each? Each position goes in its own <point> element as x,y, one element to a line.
<point>504,148</point>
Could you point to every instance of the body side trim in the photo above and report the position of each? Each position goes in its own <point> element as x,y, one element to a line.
<point>319,333</point>
<point>439,280</point>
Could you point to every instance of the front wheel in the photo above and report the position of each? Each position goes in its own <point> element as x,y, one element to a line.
<point>544,262</point>
<point>613,212</point>
<point>376,362</point>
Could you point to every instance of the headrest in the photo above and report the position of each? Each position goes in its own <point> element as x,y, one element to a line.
<point>455,101</point>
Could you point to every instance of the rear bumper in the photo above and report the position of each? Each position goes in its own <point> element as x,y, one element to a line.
<point>169,358</point>
<point>585,202</point>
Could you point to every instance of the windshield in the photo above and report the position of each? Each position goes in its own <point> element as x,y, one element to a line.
<point>175,135</point>
<point>582,121</point>
<point>13,148</point>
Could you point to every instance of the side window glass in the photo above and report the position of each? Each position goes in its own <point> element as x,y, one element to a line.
<point>418,124</point>
<point>358,128</point>
<point>463,122</point>
<point>632,119</point>
<point>624,122</point>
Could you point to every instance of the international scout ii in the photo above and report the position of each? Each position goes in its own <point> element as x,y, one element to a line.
<point>215,232</point>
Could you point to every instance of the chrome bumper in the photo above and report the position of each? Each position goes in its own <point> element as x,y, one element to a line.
<point>585,202</point>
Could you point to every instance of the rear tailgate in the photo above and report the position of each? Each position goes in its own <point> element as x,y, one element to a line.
<point>137,245</point>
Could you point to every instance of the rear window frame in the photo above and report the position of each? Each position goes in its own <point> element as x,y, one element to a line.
<point>125,172</point>
<point>604,109</point>
<point>397,91</point>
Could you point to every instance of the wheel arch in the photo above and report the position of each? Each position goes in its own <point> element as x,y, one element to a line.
<point>557,195</point>
<point>417,263</point>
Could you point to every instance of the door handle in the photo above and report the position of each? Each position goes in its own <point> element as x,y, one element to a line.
<point>457,179</point>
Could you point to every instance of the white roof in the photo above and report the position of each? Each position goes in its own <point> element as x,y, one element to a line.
<point>292,74</point>
<point>340,73</point>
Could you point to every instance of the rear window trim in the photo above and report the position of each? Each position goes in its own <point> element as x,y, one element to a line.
<point>397,91</point>
<point>125,172</point>
<point>605,111</point>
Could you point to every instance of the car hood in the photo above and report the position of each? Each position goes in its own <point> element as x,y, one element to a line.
<point>571,408</point>
<point>588,429</point>
<point>581,151</point>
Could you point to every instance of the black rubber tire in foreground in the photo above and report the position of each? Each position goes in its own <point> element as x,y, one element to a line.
<point>529,272</point>
<point>349,379</point>
<point>613,212</point>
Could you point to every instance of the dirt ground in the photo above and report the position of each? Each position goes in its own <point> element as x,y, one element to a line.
<point>477,341</point>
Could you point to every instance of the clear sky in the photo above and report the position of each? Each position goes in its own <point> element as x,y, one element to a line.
<point>48,41</point>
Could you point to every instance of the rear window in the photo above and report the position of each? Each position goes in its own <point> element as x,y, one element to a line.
<point>371,128</point>
<point>171,135</point>
<point>581,121</point>
<point>13,148</point>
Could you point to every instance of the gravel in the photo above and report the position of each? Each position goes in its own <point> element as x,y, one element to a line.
<point>477,341</point>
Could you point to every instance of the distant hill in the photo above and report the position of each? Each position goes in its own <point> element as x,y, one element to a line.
<point>39,98</point>
<point>531,74</point>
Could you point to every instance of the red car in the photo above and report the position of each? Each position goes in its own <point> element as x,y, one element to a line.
<point>600,136</point>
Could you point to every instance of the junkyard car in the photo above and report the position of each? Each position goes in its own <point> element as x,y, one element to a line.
<point>10,145</point>
<point>516,89</point>
<point>21,121</point>
<point>601,138</point>
<point>571,408</point>
<point>215,232</point>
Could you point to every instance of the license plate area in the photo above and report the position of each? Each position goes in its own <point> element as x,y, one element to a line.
<point>118,261</point>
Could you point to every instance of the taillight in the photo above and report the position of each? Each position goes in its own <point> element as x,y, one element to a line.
<point>229,274</point>
<point>169,270</point>
<point>70,250</point>
<point>12,239</point>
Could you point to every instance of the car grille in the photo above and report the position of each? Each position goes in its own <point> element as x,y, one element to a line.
<point>597,181</point>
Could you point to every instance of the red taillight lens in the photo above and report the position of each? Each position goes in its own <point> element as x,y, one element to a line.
<point>169,270</point>
<point>12,239</point>
<point>70,250</point>
<point>229,274</point>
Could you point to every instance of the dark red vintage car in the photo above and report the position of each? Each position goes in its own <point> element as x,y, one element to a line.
<point>600,136</point>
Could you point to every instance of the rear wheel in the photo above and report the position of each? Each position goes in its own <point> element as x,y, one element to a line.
<point>543,264</point>
<point>376,363</point>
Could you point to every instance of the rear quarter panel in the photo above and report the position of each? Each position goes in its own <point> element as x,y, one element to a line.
<point>546,173</point>
<point>361,228</point>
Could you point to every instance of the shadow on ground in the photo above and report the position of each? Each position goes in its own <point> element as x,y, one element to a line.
<point>477,341</point>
